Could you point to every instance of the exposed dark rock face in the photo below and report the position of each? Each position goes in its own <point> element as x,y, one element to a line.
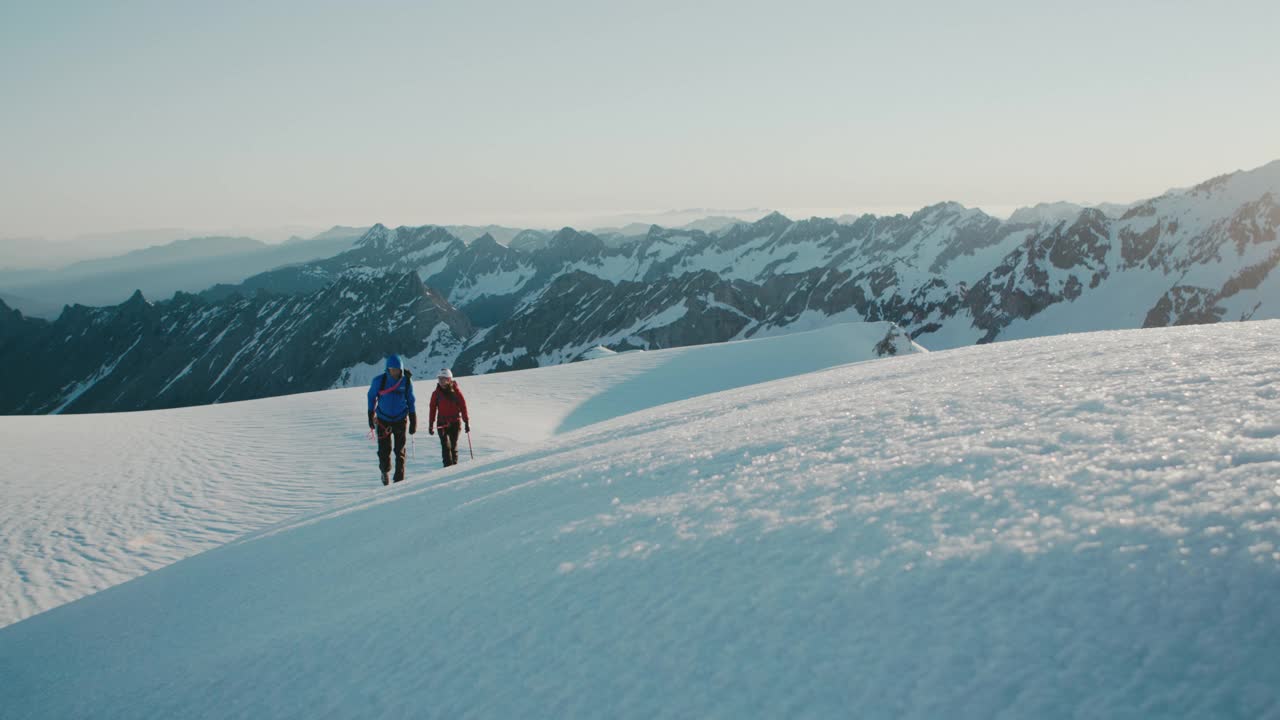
<point>571,314</point>
<point>1184,305</point>
<point>1136,246</point>
<point>14,328</point>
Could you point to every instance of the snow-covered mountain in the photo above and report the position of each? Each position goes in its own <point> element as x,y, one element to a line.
<point>1193,256</point>
<point>948,275</point>
<point>1072,526</point>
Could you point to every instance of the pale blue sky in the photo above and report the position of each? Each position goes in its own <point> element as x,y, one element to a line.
<point>121,115</point>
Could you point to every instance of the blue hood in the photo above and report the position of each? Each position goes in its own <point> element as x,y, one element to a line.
<point>393,361</point>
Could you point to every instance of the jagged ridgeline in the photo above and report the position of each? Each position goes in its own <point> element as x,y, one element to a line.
<point>948,275</point>
<point>190,351</point>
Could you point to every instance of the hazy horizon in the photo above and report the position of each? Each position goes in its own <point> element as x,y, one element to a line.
<point>551,220</point>
<point>242,116</point>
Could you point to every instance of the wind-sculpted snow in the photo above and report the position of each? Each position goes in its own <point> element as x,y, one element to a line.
<point>1077,526</point>
<point>93,501</point>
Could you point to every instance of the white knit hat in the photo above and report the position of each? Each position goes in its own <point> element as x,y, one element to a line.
<point>446,374</point>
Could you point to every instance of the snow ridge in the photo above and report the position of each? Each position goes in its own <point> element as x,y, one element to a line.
<point>1060,527</point>
<point>94,500</point>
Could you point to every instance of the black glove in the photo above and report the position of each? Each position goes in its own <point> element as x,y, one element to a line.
<point>413,423</point>
<point>431,430</point>
<point>371,422</point>
<point>468,427</point>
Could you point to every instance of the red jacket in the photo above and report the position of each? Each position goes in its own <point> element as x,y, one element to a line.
<point>450,405</point>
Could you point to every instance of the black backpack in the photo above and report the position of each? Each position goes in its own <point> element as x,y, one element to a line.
<point>408,382</point>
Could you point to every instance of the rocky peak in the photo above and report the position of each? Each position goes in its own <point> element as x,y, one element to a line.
<point>14,323</point>
<point>571,244</point>
<point>939,211</point>
<point>135,300</point>
<point>773,222</point>
<point>530,241</point>
<point>485,242</point>
<point>1046,213</point>
<point>1242,185</point>
<point>374,237</point>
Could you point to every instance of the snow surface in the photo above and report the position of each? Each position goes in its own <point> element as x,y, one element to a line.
<point>94,500</point>
<point>598,352</point>
<point>498,283</point>
<point>1073,526</point>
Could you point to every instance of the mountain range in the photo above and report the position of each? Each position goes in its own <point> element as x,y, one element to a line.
<point>946,275</point>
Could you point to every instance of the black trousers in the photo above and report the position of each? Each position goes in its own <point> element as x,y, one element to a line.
<point>449,442</point>
<point>388,432</point>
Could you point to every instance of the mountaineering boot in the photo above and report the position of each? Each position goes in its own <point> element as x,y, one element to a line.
<point>399,473</point>
<point>385,479</point>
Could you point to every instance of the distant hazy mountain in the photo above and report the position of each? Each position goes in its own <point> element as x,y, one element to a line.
<point>176,252</point>
<point>714,223</point>
<point>684,218</point>
<point>469,233</point>
<point>617,237</point>
<point>35,308</point>
<point>337,232</point>
<point>1114,210</point>
<point>1063,212</point>
<point>1047,213</point>
<point>531,240</point>
<point>26,253</point>
<point>182,265</point>
<point>41,253</point>
<point>638,229</point>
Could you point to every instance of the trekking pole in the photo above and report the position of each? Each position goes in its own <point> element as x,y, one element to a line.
<point>469,448</point>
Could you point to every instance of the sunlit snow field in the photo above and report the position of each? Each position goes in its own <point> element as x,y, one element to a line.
<point>1075,526</point>
<point>93,500</point>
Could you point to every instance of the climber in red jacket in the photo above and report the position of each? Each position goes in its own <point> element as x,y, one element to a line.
<point>449,407</point>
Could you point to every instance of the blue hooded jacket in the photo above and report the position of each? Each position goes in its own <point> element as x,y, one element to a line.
<point>393,398</point>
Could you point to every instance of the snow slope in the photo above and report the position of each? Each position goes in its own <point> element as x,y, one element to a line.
<point>1073,526</point>
<point>94,500</point>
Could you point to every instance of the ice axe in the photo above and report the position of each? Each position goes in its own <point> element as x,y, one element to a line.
<point>469,448</point>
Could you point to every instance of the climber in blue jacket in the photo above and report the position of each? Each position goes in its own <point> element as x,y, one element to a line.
<point>391,407</point>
